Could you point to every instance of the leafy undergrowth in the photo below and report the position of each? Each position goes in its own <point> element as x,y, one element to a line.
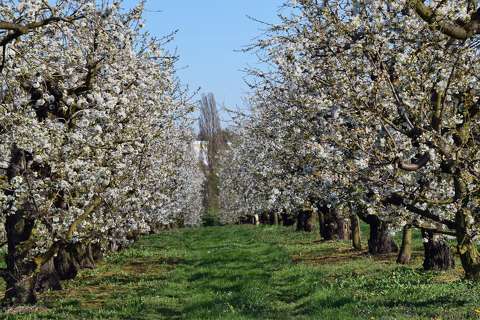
<point>246,272</point>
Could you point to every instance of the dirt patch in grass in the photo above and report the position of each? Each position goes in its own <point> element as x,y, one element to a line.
<point>25,310</point>
<point>339,255</point>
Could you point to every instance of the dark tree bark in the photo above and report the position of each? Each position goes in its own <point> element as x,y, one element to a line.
<point>264,218</point>
<point>20,273</point>
<point>84,256</point>
<point>65,263</point>
<point>405,253</point>
<point>72,258</point>
<point>246,220</point>
<point>309,224</point>
<point>321,222</point>
<point>300,220</point>
<point>287,220</point>
<point>305,220</point>
<point>356,234</point>
<point>48,278</point>
<point>379,242</point>
<point>438,255</point>
<point>97,252</point>
<point>332,226</point>
<point>273,218</point>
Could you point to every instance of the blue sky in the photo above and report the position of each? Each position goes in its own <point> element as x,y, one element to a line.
<point>209,32</point>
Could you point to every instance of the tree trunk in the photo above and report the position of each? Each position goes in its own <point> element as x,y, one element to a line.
<point>343,229</point>
<point>470,260</point>
<point>97,252</point>
<point>327,223</point>
<point>332,226</point>
<point>300,220</point>
<point>356,235</point>
<point>48,278</point>
<point>321,223</point>
<point>379,242</point>
<point>466,247</point>
<point>256,219</point>
<point>438,255</point>
<point>264,218</point>
<point>309,224</point>
<point>305,220</point>
<point>287,220</point>
<point>84,256</point>
<point>74,257</point>
<point>405,253</point>
<point>65,263</point>
<point>20,275</point>
<point>275,218</point>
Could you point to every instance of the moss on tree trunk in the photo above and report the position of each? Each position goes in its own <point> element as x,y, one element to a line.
<point>356,234</point>
<point>466,247</point>
<point>405,253</point>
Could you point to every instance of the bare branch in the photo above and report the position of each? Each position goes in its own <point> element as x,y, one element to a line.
<point>453,29</point>
<point>418,164</point>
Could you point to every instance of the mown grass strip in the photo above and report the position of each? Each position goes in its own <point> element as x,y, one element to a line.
<point>246,272</point>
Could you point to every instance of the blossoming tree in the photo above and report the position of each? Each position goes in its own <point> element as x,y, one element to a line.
<point>92,134</point>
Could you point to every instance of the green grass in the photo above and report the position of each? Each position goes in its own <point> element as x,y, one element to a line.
<point>247,272</point>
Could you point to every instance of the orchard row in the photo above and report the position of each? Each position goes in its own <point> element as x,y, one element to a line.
<point>95,139</point>
<point>369,109</point>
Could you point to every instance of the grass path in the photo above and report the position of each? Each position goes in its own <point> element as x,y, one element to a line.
<point>243,272</point>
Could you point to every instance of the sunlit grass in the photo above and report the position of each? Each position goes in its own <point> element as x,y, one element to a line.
<point>246,272</point>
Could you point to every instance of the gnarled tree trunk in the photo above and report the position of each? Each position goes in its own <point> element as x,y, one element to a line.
<point>72,258</point>
<point>65,263</point>
<point>343,229</point>
<point>20,274</point>
<point>97,252</point>
<point>466,247</point>
<point>287,220</point>
<point>379,242</point>
<point>305,220</point>
<point>47,278</point>
<point>438,255</point>
<point>332,226</point>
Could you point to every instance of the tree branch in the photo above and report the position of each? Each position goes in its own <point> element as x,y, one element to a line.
<point>396,199</point>
<point>96,202</point>
<point>429,215</point>
<point>452,29</point>
<point>418,164</point>
<point>445,232</point>
<point>18,30</point>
